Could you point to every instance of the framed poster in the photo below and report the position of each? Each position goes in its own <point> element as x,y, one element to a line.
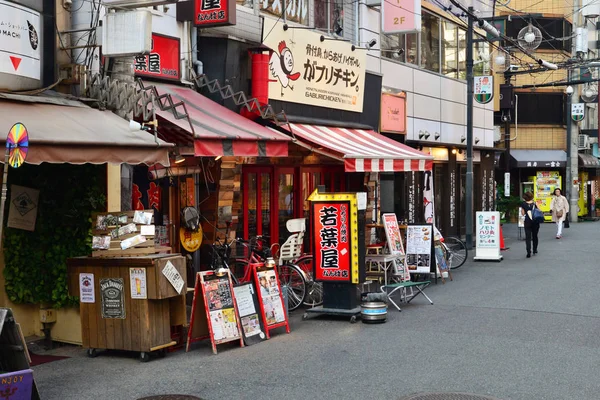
<point>419,248</point>
<point>248,309</point>
<point>113,300</point>
<point>392,233</point>
<point>87,292</point>
<point>137,281</point>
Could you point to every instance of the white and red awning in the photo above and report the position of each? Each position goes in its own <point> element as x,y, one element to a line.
<point>364,150</point>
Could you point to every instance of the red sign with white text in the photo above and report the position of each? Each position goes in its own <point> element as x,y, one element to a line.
<point>331,239</point>
<point>163,60</point>
<point>209,13</point>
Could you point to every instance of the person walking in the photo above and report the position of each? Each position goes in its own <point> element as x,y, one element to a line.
<point>531,227</point>
<point>559,206</point>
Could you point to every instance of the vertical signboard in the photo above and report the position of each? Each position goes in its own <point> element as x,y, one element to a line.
<point>419,248</point>
<point>334,225</point>
<point>305,70</point>
<point>208,13</point>
<point>483,89</point>
<point>578,111</point>
<point>163,61</point>
<point>400,16</point>
<point>487,236</point>
<point>20,47</point>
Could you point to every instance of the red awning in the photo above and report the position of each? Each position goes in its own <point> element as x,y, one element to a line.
<point>364,150</point>
<point>218,131</point>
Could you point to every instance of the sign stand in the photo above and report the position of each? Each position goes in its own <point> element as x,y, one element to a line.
<point>338,247</point>
<point>441,262</point>
<point>270,300</point>
<point>487,236</point>
<point>220,321</point>
<point>248,307</point>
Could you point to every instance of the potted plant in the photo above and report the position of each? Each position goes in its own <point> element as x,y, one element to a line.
<point>597,204</point>
<point>508,206</point>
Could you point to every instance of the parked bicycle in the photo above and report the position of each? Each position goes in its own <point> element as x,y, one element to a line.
<point>291,277</point>
<point>455,250</point>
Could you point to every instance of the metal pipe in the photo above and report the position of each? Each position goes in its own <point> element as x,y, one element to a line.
<point>469,177</point>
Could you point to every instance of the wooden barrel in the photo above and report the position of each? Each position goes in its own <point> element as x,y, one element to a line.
<point>372,312</point>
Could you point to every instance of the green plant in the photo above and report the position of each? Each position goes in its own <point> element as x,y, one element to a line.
<point>507,205</point>
<point>36,270</point>
<point>597,204</point>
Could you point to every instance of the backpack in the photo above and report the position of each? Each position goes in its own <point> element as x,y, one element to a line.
<point>537,215</point>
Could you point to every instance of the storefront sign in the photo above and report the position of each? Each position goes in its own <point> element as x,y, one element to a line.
<point>334,222</point>
<point>297,10</point>
<point>113,300</point>
<point>578,111</point>
<point>20,48</point>
<point>401,16</point>
<point>307,71</point>
<point>393,113</point>
<point>137,280</point>
<point>22,212</point>
<point>487,235</point>
<point>214,13</point>
<point>87,292</point>
<point>163,60</point>
<point>507,184</point>
<point>419,248</point>
<point>535,164</point>
<point>483,89</point>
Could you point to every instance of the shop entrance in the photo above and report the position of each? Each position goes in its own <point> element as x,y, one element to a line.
<point>281,193</point>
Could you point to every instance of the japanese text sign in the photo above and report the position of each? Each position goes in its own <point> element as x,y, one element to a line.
<point>487,235</point>
<point>209,13</point>
<point>332,241</point>
<point>392,233</point>
<point>393,113</point>
<point>304,70</point>
<point>163,60</point>
<point>401,16</point>
<point>578,111</point>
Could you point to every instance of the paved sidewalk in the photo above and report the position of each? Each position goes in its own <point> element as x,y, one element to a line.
<point>521,329</point>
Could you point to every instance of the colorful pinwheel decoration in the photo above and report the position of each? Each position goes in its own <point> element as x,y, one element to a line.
<point>17,144</point>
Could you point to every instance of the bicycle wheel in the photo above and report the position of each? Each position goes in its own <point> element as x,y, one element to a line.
<point>314,292</point>
<point>293,282</point>
<point>456,252</point>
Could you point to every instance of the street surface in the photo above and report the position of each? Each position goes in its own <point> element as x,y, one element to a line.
<point>522,329</point>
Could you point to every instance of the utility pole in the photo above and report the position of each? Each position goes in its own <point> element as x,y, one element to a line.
<point>573,132</point>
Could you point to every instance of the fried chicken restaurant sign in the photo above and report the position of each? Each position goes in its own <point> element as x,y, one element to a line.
<point>304,70</point>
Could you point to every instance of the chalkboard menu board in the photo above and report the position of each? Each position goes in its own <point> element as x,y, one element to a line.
<point>248,309</point>
<point>113,301</point>
<point>214,314</point>
<point>419,248</point>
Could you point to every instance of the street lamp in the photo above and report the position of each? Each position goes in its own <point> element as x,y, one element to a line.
<point>568,177</point>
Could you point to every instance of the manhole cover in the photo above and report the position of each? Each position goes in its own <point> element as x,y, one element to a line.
<point>447,396</point>
<point>171,397</point>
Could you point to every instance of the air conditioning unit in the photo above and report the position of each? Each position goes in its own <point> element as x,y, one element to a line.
<point>584,142</point>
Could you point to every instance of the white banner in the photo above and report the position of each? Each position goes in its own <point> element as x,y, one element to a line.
<point>20,45</point>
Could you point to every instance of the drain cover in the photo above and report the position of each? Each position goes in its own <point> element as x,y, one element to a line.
<point>171,397</point>
<point>447,396</point>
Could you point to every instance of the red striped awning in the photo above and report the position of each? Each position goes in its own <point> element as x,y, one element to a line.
<point>218,131</point>
<point>364,150</point>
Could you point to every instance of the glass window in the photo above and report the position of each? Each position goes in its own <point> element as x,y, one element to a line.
<point>391,45</point>
<point>412,48</point>
<point>462,54</point>
<point>481,56</point>
<point>329,16</point>
<point>449,49</point>
<point>297,10</point>
<point>430,42</point>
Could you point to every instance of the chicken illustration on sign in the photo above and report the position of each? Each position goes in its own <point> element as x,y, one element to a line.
<point>282,65</point>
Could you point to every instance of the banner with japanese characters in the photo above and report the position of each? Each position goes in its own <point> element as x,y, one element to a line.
<point>487,235</point>
<point>209,13</point>
<point>332,241</point>
<point>303,69</point>
<point>163,60</point>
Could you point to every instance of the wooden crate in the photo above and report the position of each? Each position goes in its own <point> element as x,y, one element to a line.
<point>115,249</point>
<point>147,323</point>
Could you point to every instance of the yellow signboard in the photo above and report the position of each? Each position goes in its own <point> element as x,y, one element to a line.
<point>303,69</point>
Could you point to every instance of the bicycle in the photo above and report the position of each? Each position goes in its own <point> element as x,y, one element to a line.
<point>455,251</point>
<point>291,277</point>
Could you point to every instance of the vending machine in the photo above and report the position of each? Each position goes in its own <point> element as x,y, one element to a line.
<point>544,183</point>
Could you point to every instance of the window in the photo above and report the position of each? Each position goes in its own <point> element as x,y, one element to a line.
<point>430,42</point>
<point>541,108</point>
<point>550,28</point>
<point>391,44</point>
<point>462,54</point>
<point>297,10</point>
<point>412,49</point>
<point>329,16</point>
<point>449,49</point>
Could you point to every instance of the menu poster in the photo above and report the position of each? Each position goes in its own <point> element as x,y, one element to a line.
<point>219,299</point>
<point>247,305</point>
<point>392,233</point>
<point>218,294</point>
<point>419,239</point>
<point>271,297</point>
